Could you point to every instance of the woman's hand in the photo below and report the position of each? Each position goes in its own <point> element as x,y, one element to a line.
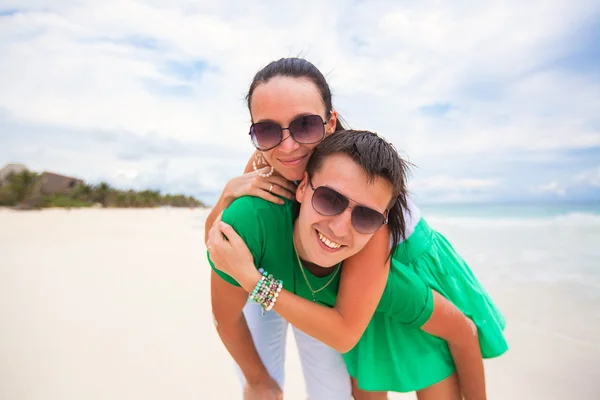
<point>229,253</point>
<point>268,390</point>
<point>252,184</point>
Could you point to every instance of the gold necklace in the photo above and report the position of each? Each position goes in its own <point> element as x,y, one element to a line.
<point>314,292</point>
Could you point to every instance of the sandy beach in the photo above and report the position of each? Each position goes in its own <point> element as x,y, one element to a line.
<point>114,304</point>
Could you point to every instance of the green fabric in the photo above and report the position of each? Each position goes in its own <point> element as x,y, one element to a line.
<point>415,304</point>
<point>266,228</point>
<point>393,354</point>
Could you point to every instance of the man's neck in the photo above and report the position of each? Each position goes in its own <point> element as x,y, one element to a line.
<point>313,268</point>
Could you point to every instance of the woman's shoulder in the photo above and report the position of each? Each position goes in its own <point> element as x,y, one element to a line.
<point>412,216</point>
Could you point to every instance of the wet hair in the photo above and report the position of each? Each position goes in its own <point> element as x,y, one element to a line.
<point>379,159</point>
<point>295,68</point>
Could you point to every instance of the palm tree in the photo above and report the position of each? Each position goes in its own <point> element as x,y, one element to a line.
<point>102,192</point>
<point>82,192</point>
<point>24,188</point>
<point>150,198</point>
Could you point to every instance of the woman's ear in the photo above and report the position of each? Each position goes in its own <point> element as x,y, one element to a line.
<point>302,188</point>
<point>332,122</point>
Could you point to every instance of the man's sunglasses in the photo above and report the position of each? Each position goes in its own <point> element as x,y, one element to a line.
<point>306,129</point>
<point>328,202</point>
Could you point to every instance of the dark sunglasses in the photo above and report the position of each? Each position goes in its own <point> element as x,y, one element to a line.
<point>328,202</point>
<point>307,129</point>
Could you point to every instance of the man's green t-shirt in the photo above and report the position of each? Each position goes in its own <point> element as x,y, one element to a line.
<point>266,228</point>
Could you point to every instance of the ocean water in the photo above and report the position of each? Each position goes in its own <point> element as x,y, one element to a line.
<point>531,243</point>
<point>549,244</point>
<point>553,244</point>
<point>532,210</point>
<point>545,243</point>
<point>541,266</point>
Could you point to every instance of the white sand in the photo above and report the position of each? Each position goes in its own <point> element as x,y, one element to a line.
<point>114,304</point>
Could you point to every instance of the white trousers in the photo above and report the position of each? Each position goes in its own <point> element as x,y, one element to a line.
<point>325,373</point>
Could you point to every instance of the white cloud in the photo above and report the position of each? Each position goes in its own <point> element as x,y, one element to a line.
<point>589,177</point>
<point>128,66</point>
<point>550,187</point>
<point>445,188</point>
<point>448,182</point>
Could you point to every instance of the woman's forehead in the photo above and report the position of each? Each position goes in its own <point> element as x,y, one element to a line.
<point>285,96</point>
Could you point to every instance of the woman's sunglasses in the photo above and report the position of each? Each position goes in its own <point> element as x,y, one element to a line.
<point>328,202</point>
<point>307,129</point>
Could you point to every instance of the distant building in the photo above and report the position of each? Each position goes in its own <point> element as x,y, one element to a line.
<point>51,182</point>
<point>55,183</point>
<point>10,169</point>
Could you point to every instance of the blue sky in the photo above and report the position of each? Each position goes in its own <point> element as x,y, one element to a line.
<point>493,102</point>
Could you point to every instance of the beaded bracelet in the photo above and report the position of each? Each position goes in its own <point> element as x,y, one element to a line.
<point>266,291</point>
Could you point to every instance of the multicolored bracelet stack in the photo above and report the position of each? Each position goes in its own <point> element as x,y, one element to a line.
<point>266,291</point>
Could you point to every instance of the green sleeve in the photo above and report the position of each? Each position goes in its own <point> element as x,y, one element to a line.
<point>406,299</point>
<point>242,216</point>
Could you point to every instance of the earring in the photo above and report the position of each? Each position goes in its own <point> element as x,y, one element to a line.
<point>260,160</point>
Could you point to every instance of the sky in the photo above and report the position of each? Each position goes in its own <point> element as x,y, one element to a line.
<point>491,101</point>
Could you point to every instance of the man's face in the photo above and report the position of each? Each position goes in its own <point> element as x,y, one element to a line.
<point>328,240</point>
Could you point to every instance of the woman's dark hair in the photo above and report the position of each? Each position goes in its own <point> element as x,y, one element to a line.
<point>379,159</point>
<point>295,68</point>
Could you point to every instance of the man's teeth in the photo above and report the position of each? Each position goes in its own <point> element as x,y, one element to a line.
<point>328,243</point>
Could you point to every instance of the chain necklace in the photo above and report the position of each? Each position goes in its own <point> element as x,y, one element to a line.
<point>314,292</point>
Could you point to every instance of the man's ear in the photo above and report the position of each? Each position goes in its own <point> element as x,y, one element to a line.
<point>302,188</point>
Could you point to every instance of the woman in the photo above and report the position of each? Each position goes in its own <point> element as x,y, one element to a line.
<point>289,158</point>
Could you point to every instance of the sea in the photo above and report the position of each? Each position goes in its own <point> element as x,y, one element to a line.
<point>532,242</point>
<point>513,246</point>
<point>553,244</point>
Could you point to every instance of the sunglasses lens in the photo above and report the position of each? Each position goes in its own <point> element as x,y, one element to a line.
<point>367,220</point>
<point>308,129</point>
<point>328,202</point>
<point>265,135</point>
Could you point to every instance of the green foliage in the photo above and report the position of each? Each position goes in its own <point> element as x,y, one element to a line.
<point>62,200</point>
<point>23,190</point>
<point>6,196</point>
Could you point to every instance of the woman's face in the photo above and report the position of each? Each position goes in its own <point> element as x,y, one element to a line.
<point>281,100</point>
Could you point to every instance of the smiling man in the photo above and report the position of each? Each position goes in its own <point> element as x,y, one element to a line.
<point>338,225</point>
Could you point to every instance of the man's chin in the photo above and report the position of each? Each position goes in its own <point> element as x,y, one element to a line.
<point>327,262</point>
